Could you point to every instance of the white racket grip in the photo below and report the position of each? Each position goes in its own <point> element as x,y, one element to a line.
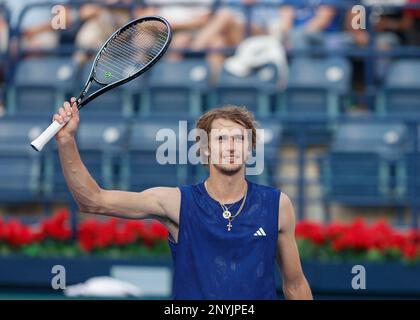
<point>39,143</point>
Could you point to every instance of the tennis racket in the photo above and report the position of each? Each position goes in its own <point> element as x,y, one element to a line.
<point>128,53</point>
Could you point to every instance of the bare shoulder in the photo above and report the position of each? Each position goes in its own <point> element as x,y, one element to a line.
<point>169,198</point>
<point>286,214</point>
<point>285,202</point>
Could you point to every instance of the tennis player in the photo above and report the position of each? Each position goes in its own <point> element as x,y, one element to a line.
<point>224,233</point>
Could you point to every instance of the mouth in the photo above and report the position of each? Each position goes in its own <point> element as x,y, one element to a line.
<point>232,159</point>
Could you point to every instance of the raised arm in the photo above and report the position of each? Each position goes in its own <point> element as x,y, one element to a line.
<point>159,202</point>
<point>295,286</point>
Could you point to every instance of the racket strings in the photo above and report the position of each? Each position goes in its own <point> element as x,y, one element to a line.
<point>130,51</point>
<point>127,49</point>
<point>121,61</point>
<point>125,54</point>
<point>146,56</point>
<point>130,45</point>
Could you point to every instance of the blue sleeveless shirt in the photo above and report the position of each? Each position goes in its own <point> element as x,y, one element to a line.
<point>211,262</point>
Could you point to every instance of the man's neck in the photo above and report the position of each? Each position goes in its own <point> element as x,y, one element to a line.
<point>226,189</point>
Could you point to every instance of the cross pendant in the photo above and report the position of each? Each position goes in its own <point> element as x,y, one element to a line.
<point>229,226</point>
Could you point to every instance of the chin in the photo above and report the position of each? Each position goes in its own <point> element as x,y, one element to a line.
<point>228,169</point>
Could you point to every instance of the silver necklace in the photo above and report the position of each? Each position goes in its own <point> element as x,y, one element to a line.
<point>226,213</point>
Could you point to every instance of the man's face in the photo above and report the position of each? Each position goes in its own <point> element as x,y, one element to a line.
<point>229,144</point>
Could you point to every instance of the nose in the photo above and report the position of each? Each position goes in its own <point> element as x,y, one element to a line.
<point>231,144</point>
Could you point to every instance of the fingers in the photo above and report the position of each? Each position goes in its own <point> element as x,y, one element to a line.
<point>67,111</point>
<point>74,110</point>
<point>58,118</point>
<point>64,112</point>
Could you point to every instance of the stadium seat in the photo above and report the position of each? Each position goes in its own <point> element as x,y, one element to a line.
<point>316,87</point>
<point>40,85</point>
<point>411,173</point>
<point>176,88</point>
<point>316,90</point>
<point>272,142</point>
<point>400,95</point>
<point>20,165</point>
<point>139,167</point>
<point>255,91</point>
<point>412,182</point>
<point>362,165</point>
<point>100,143</point>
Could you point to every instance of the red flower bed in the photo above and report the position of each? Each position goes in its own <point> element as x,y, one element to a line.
<point>377,241</point>
<point>336,241</point>
<point>93,234</point>
<point>53,235</point>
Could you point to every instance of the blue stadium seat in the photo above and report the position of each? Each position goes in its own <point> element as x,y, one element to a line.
<point>272,143</point>
<point>139,167</point>
<point>317,89</point>
<point>100,143</point>
<point>411,171</point>
<point>176,88</point>
<point>362,166</point>
<point>40,85</point>
<point>316,86</point>
<point>114,103</point>
<point>417,176</point>
<point>412,181</point>
<point>20,165</point>
<point>400,95</point>
<point>255,91</point>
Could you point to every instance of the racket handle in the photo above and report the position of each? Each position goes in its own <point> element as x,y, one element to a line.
<point>39,143</point>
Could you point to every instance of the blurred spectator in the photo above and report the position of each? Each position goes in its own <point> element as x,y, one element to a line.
<point>35,27</point>
<point>87,27</point>
<point>388,27</point>
<point>4,32</point>
<point>388,24</point>
<point>186,20</point>
<point>411,24</point>
<point>99,22</point>
<point>96,22</point>
<point>304,23</point>
<point>392,24</point>
<point>227,28</point>
<point>4,36</point>
<point>298,23</point>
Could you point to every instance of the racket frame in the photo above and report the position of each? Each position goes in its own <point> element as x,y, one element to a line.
<point>81,103</point>
<point>39,143</point>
